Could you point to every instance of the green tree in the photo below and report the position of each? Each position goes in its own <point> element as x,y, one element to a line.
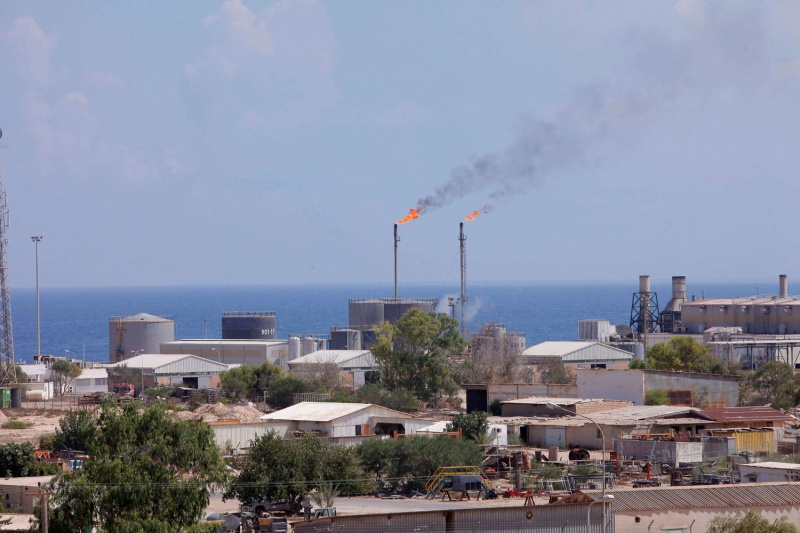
<point>290,469</point>
<point>74,430</point>
<point>417,456</point>
<point>63,374</point>
<point>22,377</point>
<point>16,460</point>
<point>684,354</point>
<point>775,383</point>
<point>751,522</point>
<point>283,388</point>
<point>637,364</point>
<point>415,354</point>
<point>124,374</point>
<point>473,426</point>
<point>656,397</point>
<point>149,472</point>
<point>553,371</point>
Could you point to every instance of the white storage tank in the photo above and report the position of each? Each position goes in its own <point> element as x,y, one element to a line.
<point>138,334</point>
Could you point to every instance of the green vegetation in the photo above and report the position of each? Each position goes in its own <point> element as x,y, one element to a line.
<point>16,424</point>
<point>751,522</point>
<point>74,430</point>
<point>656,397</point>
<point>554,372</point>
<point>416,456</point>
<point>473,426</point>
<point>22,377</point>
<point>415,354</point>
<point>398,399</point>
<point>684,354</point>
<point>277,468</point>
<point>63,374</point>
<point>16,460</point>
<point>149,473</point>
<point>124,374</point>
<point>774,383</point>
<point>252,382</point>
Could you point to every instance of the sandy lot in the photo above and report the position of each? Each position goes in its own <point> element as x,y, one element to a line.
<point>42,423</point>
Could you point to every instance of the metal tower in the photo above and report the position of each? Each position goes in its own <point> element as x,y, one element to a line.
<point>462,239</point>
<point>8,371</point>
<point>644,309</point>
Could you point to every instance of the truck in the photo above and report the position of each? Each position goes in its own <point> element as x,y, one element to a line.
<point>124,390</point>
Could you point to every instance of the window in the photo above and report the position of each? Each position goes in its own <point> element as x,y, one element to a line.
<point>358,430</point>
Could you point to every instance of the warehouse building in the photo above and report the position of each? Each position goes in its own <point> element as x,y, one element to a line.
<point>353,368</point>
<point>244,352</point>
<point>577,354</point>
<point>183,370</point>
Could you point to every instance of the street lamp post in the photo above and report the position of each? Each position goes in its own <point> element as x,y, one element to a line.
<point>141,370</point>
<point>36,240</point>
<point>602,459</point>
<point>219,357</point>
<point>604,498</point>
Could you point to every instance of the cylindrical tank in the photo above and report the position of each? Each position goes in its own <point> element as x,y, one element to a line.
<point>345,339</point>
<point>784,285</point>
<point>34,395</point>
<point>393,310</point>
<point>309,345</point>
<point>137,334</point>
<point>295,348</point>
<point>247,325</point>
<point>366,312</point>
<point>679,288</point>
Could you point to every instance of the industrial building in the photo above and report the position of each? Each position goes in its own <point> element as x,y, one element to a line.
<point>769,471</point>
<point>577,354</point>
<point>143,333</point>
<point>778,314</point>
<point>354,367</point>
<point>245,352</point>
<point>480,396</point>
<point>183,370</point>
<point>497,337</point>
<point>91,380</point>
<point>348,423</point>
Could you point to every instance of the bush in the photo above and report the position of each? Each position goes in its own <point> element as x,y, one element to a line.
<point>16,424</point>
<point>46,442</point>
<point>417,456</point>
<point>656,397</point>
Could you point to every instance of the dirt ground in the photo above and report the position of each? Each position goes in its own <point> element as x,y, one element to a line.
<point>42,423</point>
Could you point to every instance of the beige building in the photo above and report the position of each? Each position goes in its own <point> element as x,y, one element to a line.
<point>577,354</point>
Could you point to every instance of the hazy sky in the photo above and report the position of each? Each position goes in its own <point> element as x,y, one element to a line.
<point>200,142</point>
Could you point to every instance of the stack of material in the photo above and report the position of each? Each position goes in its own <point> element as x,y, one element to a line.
<point>220,412</point>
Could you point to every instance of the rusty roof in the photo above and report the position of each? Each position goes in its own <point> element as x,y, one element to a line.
<point>746,414</point>
<point>743,495</point>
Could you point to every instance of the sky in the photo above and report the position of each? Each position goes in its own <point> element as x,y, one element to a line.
<point>240,142</point>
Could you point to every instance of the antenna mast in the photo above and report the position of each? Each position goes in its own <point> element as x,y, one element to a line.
<point>8,371</point>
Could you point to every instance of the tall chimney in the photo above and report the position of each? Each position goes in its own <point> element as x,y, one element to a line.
<point>784,285</point>
<point>396,239</point>
<point>644,283</point>
<point>644,303</point>
<point>679,288</point>
<point>462,245</point>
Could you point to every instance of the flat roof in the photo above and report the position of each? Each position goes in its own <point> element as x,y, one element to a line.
<point>326,411</point>
<point>544,400</point>
<point>773,465</point>
<point>330,356</point>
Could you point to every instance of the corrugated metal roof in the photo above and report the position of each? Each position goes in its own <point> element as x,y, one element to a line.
<point>773,465</point>
<point>156,360</point>
<point>705,496</point>
<point>543,400</point>
<point>746,414</point>
<point>571,349</point>
<point>327,411</point>
<point>338,357</point>
<point>644,412</point>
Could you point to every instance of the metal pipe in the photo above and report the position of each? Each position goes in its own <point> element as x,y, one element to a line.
<point>36,240</point>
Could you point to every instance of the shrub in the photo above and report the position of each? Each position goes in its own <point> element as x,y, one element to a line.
<point>656,397</point>
<point>16,424</point>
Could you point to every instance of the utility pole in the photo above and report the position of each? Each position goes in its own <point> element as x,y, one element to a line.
<point>396,240</point>
<point>36,240</point>
<point>44,496</point>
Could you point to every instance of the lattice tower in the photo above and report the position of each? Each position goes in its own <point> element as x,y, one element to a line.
<point>8,373</point>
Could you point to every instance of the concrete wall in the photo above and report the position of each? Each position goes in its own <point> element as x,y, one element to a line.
<point>757,474</point>
<point>668,452</point>
<point>240,435</point>
<point>588,408</point>
<point>624,385</point>
<point>515,391</point>
<point>710,389</point>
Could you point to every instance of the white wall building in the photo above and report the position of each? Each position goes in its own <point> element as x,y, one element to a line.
<point>184,370</point>
<point>91,380</point>
<point>578,354</point>
<point>245,352</point>
<point>768,472</point>
<point>354,365</point>
<point>348,423</point>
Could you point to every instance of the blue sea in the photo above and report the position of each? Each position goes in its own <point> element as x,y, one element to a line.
<point>72,319</point>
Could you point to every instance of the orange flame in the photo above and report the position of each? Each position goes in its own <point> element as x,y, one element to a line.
<point>472,216</point>
<point>412,214</point>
